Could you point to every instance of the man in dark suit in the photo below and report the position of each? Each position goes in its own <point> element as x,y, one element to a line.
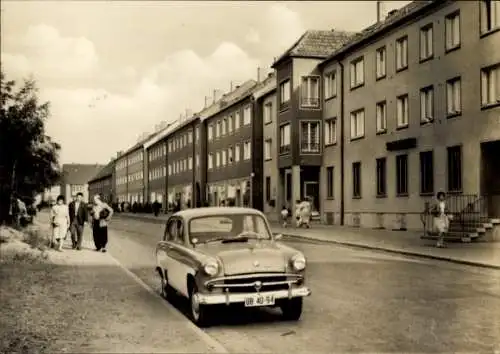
<point>78,215</point>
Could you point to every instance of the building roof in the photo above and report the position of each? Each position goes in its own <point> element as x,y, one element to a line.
<point>229,99</point>
<point>79,173</point>
<point>106,171</point>
<point>315,44</point>
<point>265,87</point>
<point>394,18</point>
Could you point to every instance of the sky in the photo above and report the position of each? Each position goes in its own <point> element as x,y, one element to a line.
<point>113,70</point>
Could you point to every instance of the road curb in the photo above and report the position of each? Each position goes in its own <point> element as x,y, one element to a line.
<point>396,251</point>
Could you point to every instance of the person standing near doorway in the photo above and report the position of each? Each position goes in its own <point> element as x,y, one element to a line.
<point>101,215</point>
<point>78,218</point>
<point>442,218</point>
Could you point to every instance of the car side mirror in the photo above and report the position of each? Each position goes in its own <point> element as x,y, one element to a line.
<point>278,237</point>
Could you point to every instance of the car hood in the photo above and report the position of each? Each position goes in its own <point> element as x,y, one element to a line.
<point>248,257</point>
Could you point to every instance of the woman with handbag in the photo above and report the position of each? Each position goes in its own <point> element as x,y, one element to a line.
<point>59,218</point>
<point>101,214</point>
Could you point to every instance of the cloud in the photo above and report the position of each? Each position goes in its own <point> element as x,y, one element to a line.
<point>252,36</point>
<point>47,54</point>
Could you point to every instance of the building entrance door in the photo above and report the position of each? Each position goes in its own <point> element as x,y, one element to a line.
<point>490,170</point>
<point>311,192</point>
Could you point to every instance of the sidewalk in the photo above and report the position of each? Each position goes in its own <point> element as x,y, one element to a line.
<point>85,302</point>
<point>483,254</point>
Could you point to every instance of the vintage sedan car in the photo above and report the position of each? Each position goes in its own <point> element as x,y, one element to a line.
<point>225,256</point>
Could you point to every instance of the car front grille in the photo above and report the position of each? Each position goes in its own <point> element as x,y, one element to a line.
<point>255,282</point>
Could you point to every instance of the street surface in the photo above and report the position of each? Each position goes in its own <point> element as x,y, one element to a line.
<point>361,301</point>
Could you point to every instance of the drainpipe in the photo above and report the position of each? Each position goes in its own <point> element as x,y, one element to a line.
<point>342,138</point>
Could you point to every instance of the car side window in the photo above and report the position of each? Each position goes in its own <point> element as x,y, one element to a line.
<point>180,231</point>
<point>171,232</point>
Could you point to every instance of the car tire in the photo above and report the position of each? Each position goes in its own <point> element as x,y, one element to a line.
<point>166,290</point>
<point>292,309</point>
<point>199,314</point>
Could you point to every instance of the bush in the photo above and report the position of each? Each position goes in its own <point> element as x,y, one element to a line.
<point>36,239</point>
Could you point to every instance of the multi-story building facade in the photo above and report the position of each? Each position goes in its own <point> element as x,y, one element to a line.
<point>234,149</point>
<point>265,102</point>
<point>135,174</point>
<point>103,183</point>
<point>412,107</point>
<point>299,115</point>
<point>75,179</point>
<point>121,173</point>
<point>157,171</point>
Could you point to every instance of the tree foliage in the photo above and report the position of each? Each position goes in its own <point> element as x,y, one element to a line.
<point>28,156</point>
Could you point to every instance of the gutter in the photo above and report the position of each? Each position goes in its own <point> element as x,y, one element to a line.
<point>342,148</point>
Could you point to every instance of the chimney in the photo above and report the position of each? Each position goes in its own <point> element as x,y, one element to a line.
<point>231,87</point>
<point>378,11</point>
<point>216,95</point>
<point>391,13</point>
<point>258,74</point>
<point>206,101</point>
<point>189,113</point>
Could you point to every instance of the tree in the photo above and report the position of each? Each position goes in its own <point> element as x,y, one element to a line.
<point>28,157</point>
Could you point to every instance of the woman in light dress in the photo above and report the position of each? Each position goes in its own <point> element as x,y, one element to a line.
<point>303,212</point>
<point>442,218</point>
<point>59,218</point>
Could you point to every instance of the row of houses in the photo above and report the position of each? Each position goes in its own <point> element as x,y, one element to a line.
<point>368,125</point>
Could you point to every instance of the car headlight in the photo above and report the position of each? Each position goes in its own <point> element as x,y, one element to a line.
<point>298,262</point>
<point>211,268</point>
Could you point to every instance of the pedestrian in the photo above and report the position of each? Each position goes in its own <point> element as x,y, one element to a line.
<point>59,218</point>
<point>101,215</point>
<point>304,214</point>
<point>77,218</point>
<point>284,216</point>
<point>442,218</point>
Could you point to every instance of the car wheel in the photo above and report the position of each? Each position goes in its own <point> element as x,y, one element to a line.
<point>199,313</point>
<point>292,309</point>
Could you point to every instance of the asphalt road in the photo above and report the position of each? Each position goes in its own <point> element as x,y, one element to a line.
<point>362,301</point>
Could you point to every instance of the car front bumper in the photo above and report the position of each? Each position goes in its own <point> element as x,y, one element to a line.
<point>235,298</point>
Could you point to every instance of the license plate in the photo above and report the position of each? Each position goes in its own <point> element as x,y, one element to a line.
<point>259,300</point>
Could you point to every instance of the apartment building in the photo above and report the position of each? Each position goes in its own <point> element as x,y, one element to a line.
<point>299,115</point>
<point>233,151</point>
<point>265,102</point>
<point>181,163</point>
<point>74,179</point>
<point>103,183</point>
<point>120,175</point>
<point>412,107</point>
<point>157,171</point>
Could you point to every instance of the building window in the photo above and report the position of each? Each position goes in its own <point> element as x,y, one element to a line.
<point>426,172</point>
<point>381,117</point>
<point>358,124</point>
<point>380,63</point>
<point>229,155</point>
<point>285,138</point>
<point>285,92</point>
<point>230,124</point>
<point>267,149</point>
<point>268,189</point>
<point>329,182</point>
<point>223,157</point>
<point>190,137</point>
<point>357,72</point>
<point>490,15</point>
<point>490,85</point>
<point>402,175</point>
<point>452,31</point>
<point>331,131</point>
<point>190,163</point>
<point>381,177</point>
<point>210,161</point>
<point>330,85</point>
<point>310,91</point>
<point>197,133</point>
<point>402,111</point>
<point>426,42</point>
<point>356,179</point>
<point>268,112</point>
<point>237,120</point>
<point>247,150</point>
<point>217,159</point>
<point>197,160</point>
<point>210,132</point>
<point>223,127</point>
<point>402,53</point>
<point>247,115</point>
<point>310,136</point>
<point>454,168</point>
<point>218,129</point>
<point>237,153</point>
<point>454,96</point>
<point>427,104</point>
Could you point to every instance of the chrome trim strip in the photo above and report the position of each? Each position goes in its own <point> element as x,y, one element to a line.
<point>253,276</point>
<point>243,285</point>
<point>213,299</point>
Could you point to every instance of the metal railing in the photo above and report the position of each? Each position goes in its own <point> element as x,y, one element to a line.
<point>469,212</point>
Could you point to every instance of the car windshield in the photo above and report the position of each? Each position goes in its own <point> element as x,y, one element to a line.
<point>228,226</point>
